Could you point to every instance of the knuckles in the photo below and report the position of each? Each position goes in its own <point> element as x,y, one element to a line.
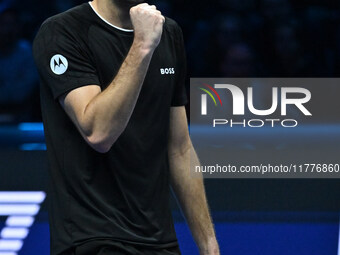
<point>147,11</point>
<point>144,9</point>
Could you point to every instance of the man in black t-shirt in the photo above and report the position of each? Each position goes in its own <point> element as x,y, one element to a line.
<point>112,96</point>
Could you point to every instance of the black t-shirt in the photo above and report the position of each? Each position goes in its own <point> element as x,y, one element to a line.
<point>123,194</point>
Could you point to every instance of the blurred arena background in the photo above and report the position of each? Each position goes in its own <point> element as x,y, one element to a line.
<point>224,38</point>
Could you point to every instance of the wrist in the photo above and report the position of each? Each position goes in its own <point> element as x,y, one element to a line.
<point>210,247</point>
<point>142,47</point>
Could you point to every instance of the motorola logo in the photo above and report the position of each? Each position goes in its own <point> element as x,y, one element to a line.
<point>59,64</point>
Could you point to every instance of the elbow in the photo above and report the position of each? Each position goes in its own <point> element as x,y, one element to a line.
<point>101,148</point>
<point>101,144</point>
<point>101,140</point>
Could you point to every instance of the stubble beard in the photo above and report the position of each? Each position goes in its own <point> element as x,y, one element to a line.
<point>127,3</point>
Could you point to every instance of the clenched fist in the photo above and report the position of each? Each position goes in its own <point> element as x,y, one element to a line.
<point>148,23</point>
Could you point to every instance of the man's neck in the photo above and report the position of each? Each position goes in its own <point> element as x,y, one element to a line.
<point>116,14</point>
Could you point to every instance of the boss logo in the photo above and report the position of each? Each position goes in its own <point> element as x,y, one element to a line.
<point>167,71</point>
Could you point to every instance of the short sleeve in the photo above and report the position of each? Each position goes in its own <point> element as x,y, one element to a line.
<point>180,96</point>
<point>62,62</point>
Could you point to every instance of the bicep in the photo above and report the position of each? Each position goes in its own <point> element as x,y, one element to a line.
<point>75,104</point>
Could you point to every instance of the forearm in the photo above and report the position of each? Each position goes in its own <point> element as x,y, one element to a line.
<point>190,192</point>
<point>107,114</point>
<point>101,116</point>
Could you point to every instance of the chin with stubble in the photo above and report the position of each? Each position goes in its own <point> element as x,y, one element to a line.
<point>127,3</point>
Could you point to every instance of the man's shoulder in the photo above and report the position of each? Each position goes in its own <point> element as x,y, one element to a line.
<point>175,31</point>
<point>171,25</point>
<point>72,20</point>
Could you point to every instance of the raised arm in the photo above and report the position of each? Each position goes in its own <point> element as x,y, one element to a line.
<point>101,116</point>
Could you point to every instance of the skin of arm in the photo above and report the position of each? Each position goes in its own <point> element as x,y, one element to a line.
<point>101,116</point>
<point>189,190</point>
